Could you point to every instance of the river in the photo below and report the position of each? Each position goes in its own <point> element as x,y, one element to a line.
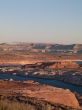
<point>52,82</point>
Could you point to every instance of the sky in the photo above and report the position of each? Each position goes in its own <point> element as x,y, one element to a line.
<point>49,21</point>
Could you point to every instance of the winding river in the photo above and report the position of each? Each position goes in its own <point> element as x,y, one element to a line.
<point>52,82</point>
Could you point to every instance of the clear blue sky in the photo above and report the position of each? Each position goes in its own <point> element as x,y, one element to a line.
<point>56,21</point>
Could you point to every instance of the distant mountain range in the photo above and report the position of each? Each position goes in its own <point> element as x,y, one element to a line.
<point>42,47</point>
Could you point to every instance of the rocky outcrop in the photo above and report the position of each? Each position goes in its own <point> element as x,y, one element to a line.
<point>64,64</point>
<point>39,92</point>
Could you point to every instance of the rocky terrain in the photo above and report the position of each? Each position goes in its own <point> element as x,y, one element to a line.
<point>42,47</point>
<point>37,94</point>
<point>27,53</point>
<point>72,77</point>
<point>31,58</point>
<point>23,59</point>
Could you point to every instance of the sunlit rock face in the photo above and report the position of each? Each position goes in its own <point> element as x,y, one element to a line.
<point>23,58</point>
<point>64,64</point>
<point>40,92</point>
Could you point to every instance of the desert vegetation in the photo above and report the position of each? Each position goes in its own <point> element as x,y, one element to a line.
<point>7,105</point>
<point>15,105</point>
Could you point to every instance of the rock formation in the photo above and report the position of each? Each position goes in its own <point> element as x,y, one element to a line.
<point>46,93</point>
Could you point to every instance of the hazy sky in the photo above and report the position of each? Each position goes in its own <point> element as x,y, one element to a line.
<point>57,21</point>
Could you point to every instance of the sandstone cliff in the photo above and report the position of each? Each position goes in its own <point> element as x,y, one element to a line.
<point>39,92</point>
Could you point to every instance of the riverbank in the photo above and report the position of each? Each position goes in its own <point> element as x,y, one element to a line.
<point>52,82</point>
